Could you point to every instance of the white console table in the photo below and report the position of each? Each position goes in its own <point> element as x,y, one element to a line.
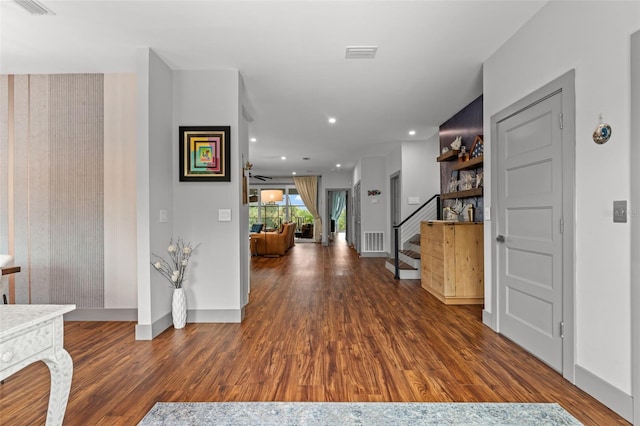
<point>30,333</point>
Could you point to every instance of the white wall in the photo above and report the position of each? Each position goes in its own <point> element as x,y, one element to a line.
<point>635,223</point>
<point>210,98</point>
<point>120,285</point>
<point>154,187</point>
<point>593,39</point>
<point>374,209</point>
<point>420,171</point>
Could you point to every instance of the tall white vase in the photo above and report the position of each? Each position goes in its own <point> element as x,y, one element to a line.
<point>179,308</point>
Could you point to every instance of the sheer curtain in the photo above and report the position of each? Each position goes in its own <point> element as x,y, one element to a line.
<point>338,201</point>
<point>307,187</point>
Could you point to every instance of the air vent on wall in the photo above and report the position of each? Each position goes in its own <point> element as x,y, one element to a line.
<point>34,7</point>
<point>361,52</point>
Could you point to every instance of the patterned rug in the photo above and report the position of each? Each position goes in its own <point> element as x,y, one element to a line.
<point>350,413</point>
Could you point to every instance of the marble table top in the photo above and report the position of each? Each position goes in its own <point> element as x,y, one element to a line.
<point>17,317</point>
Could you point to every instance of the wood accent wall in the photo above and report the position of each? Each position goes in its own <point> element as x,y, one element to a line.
<point>52,215</point>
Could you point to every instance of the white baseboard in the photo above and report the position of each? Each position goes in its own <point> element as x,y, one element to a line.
<point>150,331</point>
<point>215,315</point>
<point>609,395</point>
<point>373,254</point>
<point>102,314</point>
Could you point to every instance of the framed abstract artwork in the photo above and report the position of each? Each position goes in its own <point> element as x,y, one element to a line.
<point>205,153</point>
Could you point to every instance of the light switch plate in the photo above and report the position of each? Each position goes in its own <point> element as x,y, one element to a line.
<point>163,216</point>
<point>413,200</point>
<point>620,211</point>
<point>224,215</point>
<point>487,213</point>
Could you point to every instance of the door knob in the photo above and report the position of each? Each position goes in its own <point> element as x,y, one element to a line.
<point>500,238</point>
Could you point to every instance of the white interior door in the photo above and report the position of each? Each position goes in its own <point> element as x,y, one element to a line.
<point>529,227</point>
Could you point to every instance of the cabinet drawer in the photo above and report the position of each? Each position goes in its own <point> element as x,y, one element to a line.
<point>19,348</point>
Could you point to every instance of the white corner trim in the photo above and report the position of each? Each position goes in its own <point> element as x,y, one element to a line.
<point>487,319</point>
<point>150,331</point>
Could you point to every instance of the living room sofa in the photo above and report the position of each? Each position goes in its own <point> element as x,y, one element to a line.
<point>275,243</point>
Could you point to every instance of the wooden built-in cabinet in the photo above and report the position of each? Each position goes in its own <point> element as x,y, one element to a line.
<point>452,259</point>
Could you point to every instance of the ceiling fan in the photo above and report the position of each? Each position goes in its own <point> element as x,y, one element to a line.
<point>259,177</point>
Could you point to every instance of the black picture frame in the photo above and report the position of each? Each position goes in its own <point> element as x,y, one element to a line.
<point>205,153</point>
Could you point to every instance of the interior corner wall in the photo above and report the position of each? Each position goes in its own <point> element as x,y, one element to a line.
<point>154,188</point>
<point>243,211</point>
<point>602,278</point>
<point>214,279</point>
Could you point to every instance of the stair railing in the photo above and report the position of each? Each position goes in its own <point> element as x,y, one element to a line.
<point>430,210</point>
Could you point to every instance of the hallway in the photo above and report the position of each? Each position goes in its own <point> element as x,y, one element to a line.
<point>322,325</point>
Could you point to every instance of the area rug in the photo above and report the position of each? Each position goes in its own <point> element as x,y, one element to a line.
<point>350,413</point>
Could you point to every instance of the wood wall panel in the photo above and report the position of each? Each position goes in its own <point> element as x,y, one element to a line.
<point>4,164</point>
<point>20,187</point>
<point>51,153</point>
<point>39,166</point>
<point>77,233</point>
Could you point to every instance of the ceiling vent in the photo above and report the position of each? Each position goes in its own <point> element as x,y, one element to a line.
<point>361,52</point>
<point>34,7</point>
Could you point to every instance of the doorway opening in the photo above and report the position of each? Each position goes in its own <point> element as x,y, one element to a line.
<point>337,215</point>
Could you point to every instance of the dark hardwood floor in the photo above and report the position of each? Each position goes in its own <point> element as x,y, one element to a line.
<point>322,325</point>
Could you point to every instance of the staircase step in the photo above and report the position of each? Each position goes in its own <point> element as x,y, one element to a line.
<point>401,264</point>
<point>406,272</point>
<point>412,247</point>
<point>415,239</point>
<point>412,254</point>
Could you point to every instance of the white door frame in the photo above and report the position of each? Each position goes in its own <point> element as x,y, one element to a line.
<point>565,83</point>
<point>635,229</point>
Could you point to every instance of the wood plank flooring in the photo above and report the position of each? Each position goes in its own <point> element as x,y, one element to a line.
<point>322,325</point>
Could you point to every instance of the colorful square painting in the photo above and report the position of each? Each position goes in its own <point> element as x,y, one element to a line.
<point>204,153</point>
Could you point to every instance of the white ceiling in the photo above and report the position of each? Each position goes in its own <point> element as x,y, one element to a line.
<point>291,57</point>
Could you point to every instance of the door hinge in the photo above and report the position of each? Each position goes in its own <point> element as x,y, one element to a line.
<point>562,330</point>
<point>561,121</point>
<point>562,225</point>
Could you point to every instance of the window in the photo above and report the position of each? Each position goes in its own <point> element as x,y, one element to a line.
<point>275,213</point>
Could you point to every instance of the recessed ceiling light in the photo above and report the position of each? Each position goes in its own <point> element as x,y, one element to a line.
<point>283,158</point>
<point>332,120</point>
<point>338,165</point>
<point>293,173</point>
<point>253,140</point>
<point>412,132</point>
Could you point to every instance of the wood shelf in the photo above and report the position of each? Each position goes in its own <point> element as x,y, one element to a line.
<point>475,192</point>
<point>474,163</point>
<point>448,156</point>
